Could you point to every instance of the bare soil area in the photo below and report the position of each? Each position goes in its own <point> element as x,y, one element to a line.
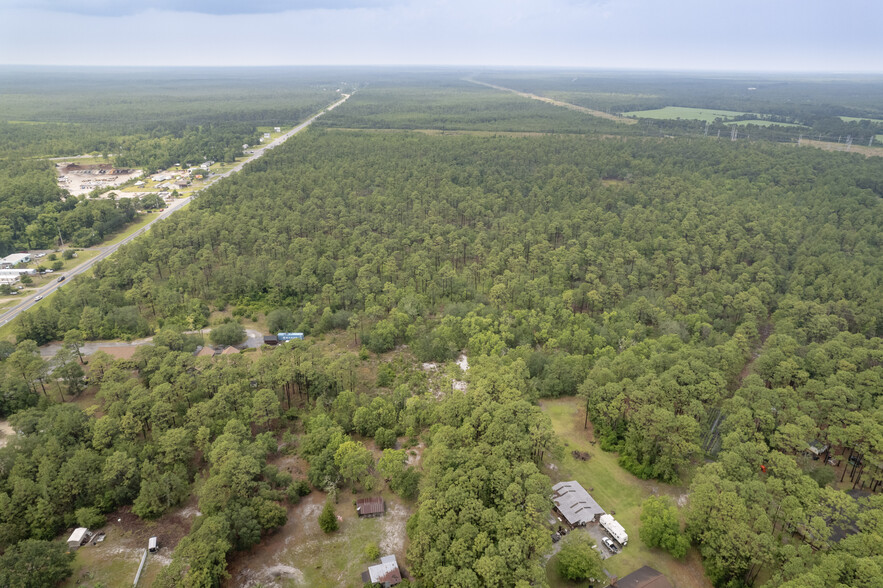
<point>300,554</point>
<point>6,431</point>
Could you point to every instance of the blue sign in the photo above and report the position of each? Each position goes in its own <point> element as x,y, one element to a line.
<point>285,337</point>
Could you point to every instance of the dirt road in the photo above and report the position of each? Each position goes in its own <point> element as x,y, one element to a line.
<point>598,113</point>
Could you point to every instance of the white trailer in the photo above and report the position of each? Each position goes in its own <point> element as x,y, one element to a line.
<point>615,529</point>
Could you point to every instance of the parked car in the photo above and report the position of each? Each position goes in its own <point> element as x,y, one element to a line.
<point>609,544</point>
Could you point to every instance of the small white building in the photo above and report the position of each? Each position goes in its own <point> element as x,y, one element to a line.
<point>386,573</point>
<point>77,537</point>
<point>277,129</point>
<point>12,260</point>
<point>11,276</point>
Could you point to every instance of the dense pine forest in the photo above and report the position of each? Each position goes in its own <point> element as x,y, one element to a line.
<point>715,306</point>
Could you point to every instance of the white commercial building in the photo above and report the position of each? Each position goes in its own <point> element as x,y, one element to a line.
<point>10,261</point>
<point>11,276</point>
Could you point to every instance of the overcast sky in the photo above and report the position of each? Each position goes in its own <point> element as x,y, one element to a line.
<point>748,35</point>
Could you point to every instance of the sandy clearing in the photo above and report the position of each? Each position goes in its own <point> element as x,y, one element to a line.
<point>6,431</point>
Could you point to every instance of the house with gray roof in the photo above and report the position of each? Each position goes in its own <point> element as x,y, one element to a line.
<point>575,504</point>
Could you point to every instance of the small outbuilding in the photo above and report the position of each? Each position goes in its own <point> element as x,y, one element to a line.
<point>78,537</point>
<point>386,573</point>
<point>575,504</point>
<point>271,340</point>
<point>230,350</point>
<point>205,352</point>
<point>645,577</point>
<point>152,545</point>
<point>370,507</point>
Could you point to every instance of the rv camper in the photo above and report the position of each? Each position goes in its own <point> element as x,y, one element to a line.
<point>615,529</point>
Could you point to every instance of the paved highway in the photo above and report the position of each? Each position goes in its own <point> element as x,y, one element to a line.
<point>32,300</point>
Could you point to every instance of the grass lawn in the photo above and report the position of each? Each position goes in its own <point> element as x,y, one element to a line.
<point>879,138</point>
<point>112,562</point>
<point>616,490</point>
<point>676,112</point>
<point>857,119</point>
<point>83,255</point>
<point>764,123</point>
<point>114,239</point>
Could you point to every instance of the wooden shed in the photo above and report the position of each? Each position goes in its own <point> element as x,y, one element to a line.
<point>370,507</point>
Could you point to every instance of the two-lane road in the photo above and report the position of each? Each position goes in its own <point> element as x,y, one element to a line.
<point>31,300</point>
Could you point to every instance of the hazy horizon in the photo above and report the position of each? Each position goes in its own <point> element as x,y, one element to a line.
<point>751,36</point>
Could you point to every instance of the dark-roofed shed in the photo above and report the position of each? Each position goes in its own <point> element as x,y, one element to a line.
<point>370,507</point>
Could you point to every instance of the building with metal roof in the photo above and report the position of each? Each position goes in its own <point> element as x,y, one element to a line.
<point>575,504</point>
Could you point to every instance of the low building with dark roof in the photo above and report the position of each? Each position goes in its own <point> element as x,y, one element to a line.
<point>575,504</point>
<point>645,577</point>
<point>370,507</point>
<point>271,340</point>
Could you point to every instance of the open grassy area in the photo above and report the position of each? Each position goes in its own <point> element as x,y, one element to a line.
<point>619,492</point>
<point>680,112</point>
<point>143,220</point>
<point>764,123</point>
<point>110,564</point>
<point>300,554</point>
<point>857,119</point>
<point>83,255</point>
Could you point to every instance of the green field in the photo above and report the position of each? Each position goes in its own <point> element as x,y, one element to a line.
<point>858,119</point>
<point>681,112</point>
<point>763,123</point>
<point>616,490</point>
<point>879,138</point>
<point>114,239</point>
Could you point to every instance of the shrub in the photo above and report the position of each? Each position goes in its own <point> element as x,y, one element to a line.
<point>372,551</point>
<point>577,560</point>
<point>90,517</point>
<point>228,334</point>
<point>385,438</point>
<point>327,519</point>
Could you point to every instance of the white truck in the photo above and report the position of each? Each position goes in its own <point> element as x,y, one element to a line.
<point>615,529</point>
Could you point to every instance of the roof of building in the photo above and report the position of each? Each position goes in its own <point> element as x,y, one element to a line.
<point>78,534</point>
<point>230,350</point>
<point>371,505</point>
<point>386,572</point>
<point>15,258</point>
<point>645,577</point>
<point>575,503</point>
<point>206,352</point>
